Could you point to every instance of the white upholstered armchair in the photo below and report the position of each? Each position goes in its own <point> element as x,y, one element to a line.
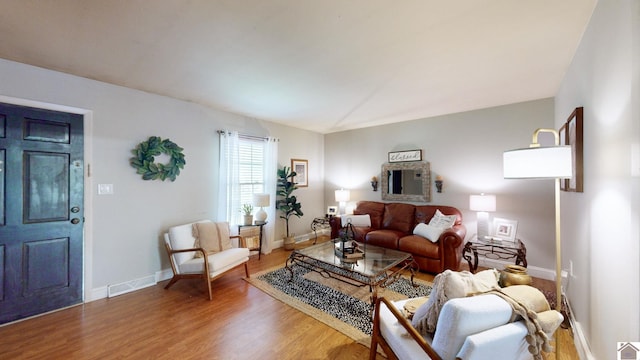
<point>190,244</point>
<point>469,328</point>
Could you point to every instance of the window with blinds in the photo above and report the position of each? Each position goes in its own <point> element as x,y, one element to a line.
<point>251,168</point>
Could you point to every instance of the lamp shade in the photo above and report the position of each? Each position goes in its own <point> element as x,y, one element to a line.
<point>343,195</point>
<point>538,163</point>
<point>482,202</point>
<point>261,200</point>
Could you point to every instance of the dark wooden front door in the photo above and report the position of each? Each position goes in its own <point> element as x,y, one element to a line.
<point>41,211</point>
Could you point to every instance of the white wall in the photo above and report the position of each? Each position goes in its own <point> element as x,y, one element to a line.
<point>124,229</point>
<point>466,150</point>
<point>600,226</point>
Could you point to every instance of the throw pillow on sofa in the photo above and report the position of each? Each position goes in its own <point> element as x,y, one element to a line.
<point>429,232</point>
<point>442,220</point>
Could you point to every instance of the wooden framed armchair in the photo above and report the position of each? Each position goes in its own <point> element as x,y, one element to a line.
<point>187,256</point>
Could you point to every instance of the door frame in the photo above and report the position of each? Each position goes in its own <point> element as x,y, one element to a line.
<point>87,275</point>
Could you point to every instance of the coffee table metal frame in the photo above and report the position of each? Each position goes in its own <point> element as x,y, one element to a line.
<point>494,249</point>
<point>380,267</point>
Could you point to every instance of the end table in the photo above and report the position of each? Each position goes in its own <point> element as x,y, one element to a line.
<point>259,248</point>
<point>320,223</point>
<point>497,249</point>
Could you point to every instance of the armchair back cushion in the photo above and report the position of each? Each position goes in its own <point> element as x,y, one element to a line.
<point>213,237</point>
<point>462,317</point>
<point>181,237</point>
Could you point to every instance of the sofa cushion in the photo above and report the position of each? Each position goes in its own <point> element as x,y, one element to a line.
<point>374,209</point>
<point>398,216</point>
<point>419,246</point>
<point>385,238</point>
<point>429,232</point>
<point>213,237</point>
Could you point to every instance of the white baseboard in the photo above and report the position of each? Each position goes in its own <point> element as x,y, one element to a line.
<point>97,294</point>
<point>163,275</point>
<point>579,338</point>
<point>534,271</point>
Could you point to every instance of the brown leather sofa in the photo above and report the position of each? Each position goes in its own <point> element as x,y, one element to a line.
<point>392,227</point>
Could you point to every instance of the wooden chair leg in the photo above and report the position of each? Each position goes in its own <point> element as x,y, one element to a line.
<point>173,280</point>
<point>208,280</point>
<point>246,270</point>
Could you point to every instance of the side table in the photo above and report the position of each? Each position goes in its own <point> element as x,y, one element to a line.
<point>494,249</point>
<point>320,223</point>
<point>260,226</point>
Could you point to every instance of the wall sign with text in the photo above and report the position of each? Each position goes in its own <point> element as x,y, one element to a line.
<point>408,155</point>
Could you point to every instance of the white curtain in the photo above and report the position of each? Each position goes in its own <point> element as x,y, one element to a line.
<point>228,182</point>
<point>270,182</point>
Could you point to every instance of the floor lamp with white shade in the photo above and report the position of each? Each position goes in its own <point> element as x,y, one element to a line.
<point>543,162</point>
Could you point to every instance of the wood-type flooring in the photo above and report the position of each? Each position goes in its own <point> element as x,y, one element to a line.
<point>241,322</point>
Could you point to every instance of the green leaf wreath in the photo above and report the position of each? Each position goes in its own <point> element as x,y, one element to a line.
<point>145,152</point>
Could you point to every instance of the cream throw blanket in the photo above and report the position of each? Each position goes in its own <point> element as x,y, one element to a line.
<point>451,285</point>
<point>526,301</point>
<point>531,305</point>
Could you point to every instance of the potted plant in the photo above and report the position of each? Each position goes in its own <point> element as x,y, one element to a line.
<point>287,203</point>
<point>248,217</point>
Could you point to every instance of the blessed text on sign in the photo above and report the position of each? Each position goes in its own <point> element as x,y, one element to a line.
<point>410,155</point>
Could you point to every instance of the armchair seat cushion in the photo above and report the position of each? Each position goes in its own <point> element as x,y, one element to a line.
<point>217,261</point>
<point>396,336</point>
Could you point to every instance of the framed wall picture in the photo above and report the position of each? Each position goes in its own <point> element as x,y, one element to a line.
<point>332,210</point>
<point>505,229</point>
<point>574,138</point>
<point>301,168</point>
<point>402,156</point>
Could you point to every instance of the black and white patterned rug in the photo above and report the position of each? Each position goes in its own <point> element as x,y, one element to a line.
<point>331,305</point>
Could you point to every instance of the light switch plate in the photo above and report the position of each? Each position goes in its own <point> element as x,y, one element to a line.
<point>105,189</point>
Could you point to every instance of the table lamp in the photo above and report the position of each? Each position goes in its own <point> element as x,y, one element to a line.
<point>342,196</point>
<point>261,200</point>
<point>482,204</point>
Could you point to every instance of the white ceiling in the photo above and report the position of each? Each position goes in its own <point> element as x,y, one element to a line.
<point>321,65</point>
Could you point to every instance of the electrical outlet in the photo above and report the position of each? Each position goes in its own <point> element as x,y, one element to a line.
<point>571,268</point>
<point>105,189</point>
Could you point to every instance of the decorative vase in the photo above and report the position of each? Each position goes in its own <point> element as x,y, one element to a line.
<point>248,219</point>
<point>514,275</point>
<point>289,242</point>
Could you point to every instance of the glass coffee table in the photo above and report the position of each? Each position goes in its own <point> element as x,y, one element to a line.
<point>379,267</point>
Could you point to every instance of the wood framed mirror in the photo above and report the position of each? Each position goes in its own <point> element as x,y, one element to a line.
<point>408,181</point>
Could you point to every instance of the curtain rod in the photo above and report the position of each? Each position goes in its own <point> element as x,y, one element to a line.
<point>246,136</point>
